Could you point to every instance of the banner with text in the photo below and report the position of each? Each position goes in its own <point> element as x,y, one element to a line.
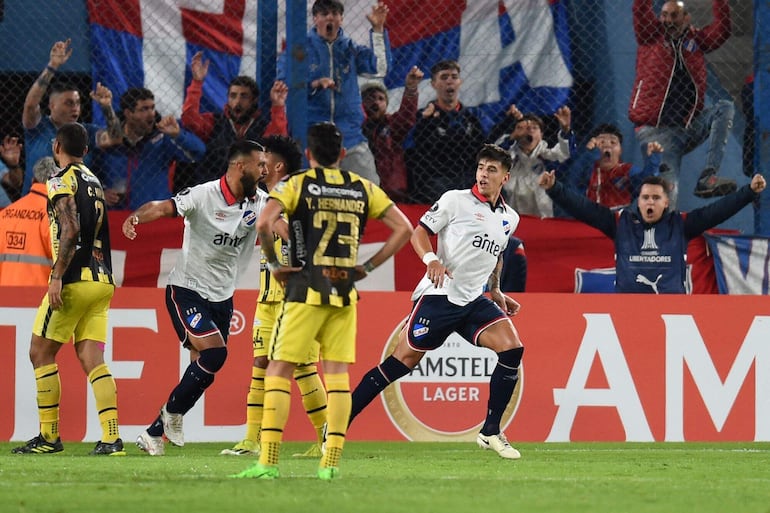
<point>613,368</point>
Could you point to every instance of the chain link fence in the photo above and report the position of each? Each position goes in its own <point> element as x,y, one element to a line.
<point>536,55</point>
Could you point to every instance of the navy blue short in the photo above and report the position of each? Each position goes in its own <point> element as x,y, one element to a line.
<point>193,315</point>
<point>434,318</point>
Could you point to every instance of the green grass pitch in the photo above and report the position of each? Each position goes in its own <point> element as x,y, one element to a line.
<point>398,477</point>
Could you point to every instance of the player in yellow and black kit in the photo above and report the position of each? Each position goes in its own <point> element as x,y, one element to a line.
<point>79,292</point>
<point>327,210</point>
<point>283,157</point>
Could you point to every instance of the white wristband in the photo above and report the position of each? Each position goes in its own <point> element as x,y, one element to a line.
<point>273,266</point>
<point>429,257</point>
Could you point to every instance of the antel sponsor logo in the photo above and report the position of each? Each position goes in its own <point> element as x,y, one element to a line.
<point>445,397</point>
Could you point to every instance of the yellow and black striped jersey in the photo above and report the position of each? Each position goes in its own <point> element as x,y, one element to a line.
<point>270,289</point>
<point>327,211</point>
<point>92,260</point>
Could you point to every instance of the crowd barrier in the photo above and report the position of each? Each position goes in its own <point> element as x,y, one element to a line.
<point>596,367</point>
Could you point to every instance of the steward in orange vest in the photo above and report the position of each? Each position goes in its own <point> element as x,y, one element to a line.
<point>25,237</point>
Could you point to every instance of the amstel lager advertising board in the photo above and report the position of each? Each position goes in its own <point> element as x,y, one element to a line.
<point>596,367</point>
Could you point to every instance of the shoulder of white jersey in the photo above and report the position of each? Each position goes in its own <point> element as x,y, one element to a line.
<point>447,202</point>
<point>188,190</point>
<point>200,194</point>
<point>211,184</point>
<point>453,193</point>
<point>509,210</point>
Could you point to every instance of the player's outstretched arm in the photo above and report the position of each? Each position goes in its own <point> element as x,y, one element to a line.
<point>147,213</point>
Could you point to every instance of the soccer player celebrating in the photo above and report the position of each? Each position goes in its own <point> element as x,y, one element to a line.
<point>79,292</point>
<point>473,228</point>
<point>283,158</point>
<point>219,238</point>
<point>327,209</point>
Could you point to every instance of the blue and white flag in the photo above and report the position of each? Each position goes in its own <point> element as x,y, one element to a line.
<point>143,43</point>
<point>510,51</point>
<point>741,262</point>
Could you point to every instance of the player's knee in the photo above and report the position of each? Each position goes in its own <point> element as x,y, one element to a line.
<point>511,358</point>
<point>213,359</point>
<point>305,370</point>
<point>42,353</point>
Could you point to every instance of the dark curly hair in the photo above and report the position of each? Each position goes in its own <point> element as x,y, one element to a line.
<point>287,148</point>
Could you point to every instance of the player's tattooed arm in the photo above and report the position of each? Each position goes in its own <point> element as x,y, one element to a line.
<point>69,231</point>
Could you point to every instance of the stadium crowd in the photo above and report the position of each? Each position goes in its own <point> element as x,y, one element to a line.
<point>442,154</point>
<point>415,153</point>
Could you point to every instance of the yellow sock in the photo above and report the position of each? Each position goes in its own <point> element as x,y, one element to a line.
<point>106,395</point>
<point>313,396</point>
<point>276,413</point>
<point>254,403</point>
<point>338,413</point>
<point>48,396</point>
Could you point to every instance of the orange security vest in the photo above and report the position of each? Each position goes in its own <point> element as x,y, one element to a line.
<point>25,240</point>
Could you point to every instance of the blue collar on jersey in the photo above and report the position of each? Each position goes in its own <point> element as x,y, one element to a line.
<point>483,199</point>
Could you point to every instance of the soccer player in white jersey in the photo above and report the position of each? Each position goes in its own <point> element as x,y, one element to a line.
<point>473,228</point>
<point>220,219</point>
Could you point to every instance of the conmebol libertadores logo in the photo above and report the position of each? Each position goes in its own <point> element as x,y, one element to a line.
<point>445,396</point>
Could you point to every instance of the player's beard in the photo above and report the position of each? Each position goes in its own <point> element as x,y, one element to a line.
<point>249,185</point>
